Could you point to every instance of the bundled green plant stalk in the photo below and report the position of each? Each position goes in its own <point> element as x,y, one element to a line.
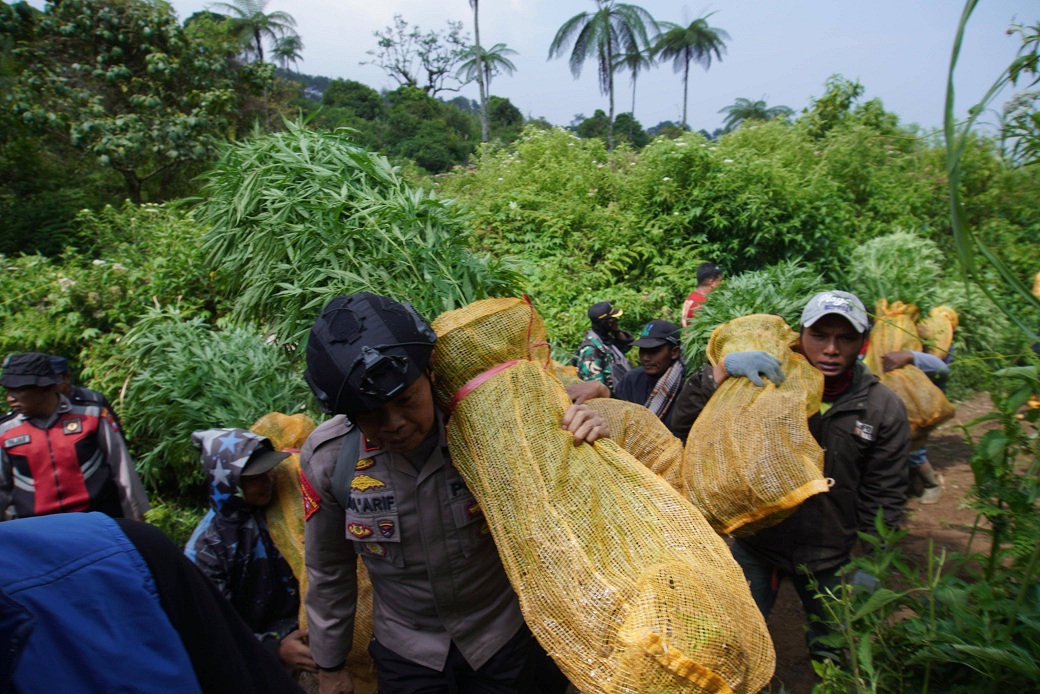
<point>298,217</point>
<point>780,289</point>
<point>188,375</point>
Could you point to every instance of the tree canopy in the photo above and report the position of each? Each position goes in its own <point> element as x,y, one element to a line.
<point>122,81</point>
<point>743,110</point>
<point>695,43</point>
<point>255,26</point>
<point>426,61</point>
<point>614,29</point>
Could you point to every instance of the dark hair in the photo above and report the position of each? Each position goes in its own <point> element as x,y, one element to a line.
<point>707,272</point>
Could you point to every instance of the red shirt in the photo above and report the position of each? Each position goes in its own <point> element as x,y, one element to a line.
<point>690,306</point>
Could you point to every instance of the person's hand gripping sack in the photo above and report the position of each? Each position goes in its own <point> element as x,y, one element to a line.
<point>752,365</point>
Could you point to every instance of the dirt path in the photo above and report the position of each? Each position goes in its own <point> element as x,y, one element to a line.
<point>945,523</point>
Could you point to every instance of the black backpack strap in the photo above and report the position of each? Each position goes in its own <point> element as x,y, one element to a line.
<point>345,464</point>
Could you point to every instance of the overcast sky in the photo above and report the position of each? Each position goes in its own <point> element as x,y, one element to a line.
<point>780,51</point>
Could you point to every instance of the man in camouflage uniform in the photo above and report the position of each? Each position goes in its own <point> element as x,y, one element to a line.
<point>601,356</point>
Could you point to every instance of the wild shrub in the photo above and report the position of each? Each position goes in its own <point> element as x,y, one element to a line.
<point>298,217</point>
<point>780,289</point>
<point>964,622</point>
<point>79,304</point>
<point>899,266</point>
<point>185,375</point>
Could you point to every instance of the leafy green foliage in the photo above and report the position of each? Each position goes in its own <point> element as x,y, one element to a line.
<point>833,107</point>
<point>505,119</point>
<point>299,217</point>
<point>963,623</point>
<point>901,266</point>
<point>626,129</point>
<point>365,102</point>
<point>122,81</point>
<point>744,110</point>
<point>81,303</point>
<point>435,135</point>
<point>176,520</point>
<point>780,289</point>
<point>186,375</point>
<point>970,245</point>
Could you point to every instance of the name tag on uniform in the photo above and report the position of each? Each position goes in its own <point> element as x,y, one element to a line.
<point>16,441</point>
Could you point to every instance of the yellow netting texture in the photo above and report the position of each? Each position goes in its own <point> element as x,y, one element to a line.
<point>285,524</point>
<point>640,432</point>
<point>936,331</point>
<point>619,577</point>
<point>567,374</point>
<point>750,458</point>
<point>895,330</point>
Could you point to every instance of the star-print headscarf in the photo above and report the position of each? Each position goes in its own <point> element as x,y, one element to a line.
<point>224,453</point>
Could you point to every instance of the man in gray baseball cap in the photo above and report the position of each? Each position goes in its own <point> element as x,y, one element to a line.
<point>862,427</point>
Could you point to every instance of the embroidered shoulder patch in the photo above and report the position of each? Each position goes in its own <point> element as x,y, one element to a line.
<point>311,499</point>
<point>107,416</point>
<point>364,463</point>
<point>364,483</point>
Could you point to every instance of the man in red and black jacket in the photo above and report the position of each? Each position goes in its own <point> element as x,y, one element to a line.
<point>57,456</point>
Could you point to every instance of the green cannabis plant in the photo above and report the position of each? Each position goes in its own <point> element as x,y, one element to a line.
<point>300,216</point>
<point>780,289</point>
<point>186,374</point>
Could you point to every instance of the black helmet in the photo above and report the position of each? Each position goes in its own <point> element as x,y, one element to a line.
<point>364,350</point>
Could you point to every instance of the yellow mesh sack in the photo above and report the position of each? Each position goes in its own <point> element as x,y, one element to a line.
<point>750,458</point>
<point>936,331</point>
<point>567,374</point>
<point>645,437</point>
<point>619,577</point>
<point>285,524</point>
<point>895,330</point>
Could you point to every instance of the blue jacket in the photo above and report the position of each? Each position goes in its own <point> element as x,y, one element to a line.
<point>79,612</point>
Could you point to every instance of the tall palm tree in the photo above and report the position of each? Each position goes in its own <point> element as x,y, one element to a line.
<point>695,43</point>
<point>255,25</point>
<point>287,50</point>
<point>634,61</point>
<point>485,128</point>
<point>613,29</point>
<point>743,110</point>
<point>494,61</point>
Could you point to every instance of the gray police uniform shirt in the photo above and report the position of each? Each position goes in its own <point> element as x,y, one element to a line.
<point>436,574</point>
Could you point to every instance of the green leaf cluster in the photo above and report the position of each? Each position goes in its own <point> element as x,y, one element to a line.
<point>80,304</point>
<point>300,216</point>
<point>187,375</point>
<point>124,82</point>
<point>964,622</point>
